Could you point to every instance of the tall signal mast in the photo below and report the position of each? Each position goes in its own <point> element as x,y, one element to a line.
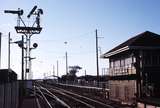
<point>28,31</point>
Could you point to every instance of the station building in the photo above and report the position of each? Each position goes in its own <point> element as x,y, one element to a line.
<point>134,70</point>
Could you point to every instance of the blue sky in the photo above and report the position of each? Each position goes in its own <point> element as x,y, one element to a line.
<point>75,21</point>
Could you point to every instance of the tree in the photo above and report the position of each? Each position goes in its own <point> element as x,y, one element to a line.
<point>72,73</point>
<point>73,70</point>
<point>71,76</point>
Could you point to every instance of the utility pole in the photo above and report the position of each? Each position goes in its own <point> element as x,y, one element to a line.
<point>66,63</point>
<point>9,50</point>
<point>22,57</point>
<point>97,61</point>
<point>53,70</point>
<point>21,45</point>
<point>85,73</point>
<point>66,55</point>
<point>57,69</point>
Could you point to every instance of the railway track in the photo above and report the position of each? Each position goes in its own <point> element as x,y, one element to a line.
<point>84,101</point>
<point>98,96</point>
<point>74,100</point>
<point>46,99</point>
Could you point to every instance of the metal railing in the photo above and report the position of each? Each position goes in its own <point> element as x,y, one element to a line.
<point>124,70</point>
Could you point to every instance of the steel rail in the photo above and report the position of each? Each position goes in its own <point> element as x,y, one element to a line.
<point>68,94</point>
<point>37,100</point>
<point>44,97</point>
<point>95,101</point>
<point>38,104</point>
<point>78,100</point>
<point>53,96</point>
<point>56,98</point>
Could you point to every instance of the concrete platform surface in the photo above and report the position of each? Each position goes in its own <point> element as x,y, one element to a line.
<point>29,102</point>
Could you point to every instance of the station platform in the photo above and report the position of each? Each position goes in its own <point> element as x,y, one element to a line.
<point>29,102</point>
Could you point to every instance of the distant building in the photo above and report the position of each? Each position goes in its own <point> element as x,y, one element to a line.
<point>134,70</point>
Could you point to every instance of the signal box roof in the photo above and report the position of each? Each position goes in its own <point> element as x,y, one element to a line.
<point>145,40</point>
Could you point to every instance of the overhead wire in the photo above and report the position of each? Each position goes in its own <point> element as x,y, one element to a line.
<point>78,45</point>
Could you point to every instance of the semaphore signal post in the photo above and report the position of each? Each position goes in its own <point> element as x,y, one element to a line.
<point>28,31</point>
